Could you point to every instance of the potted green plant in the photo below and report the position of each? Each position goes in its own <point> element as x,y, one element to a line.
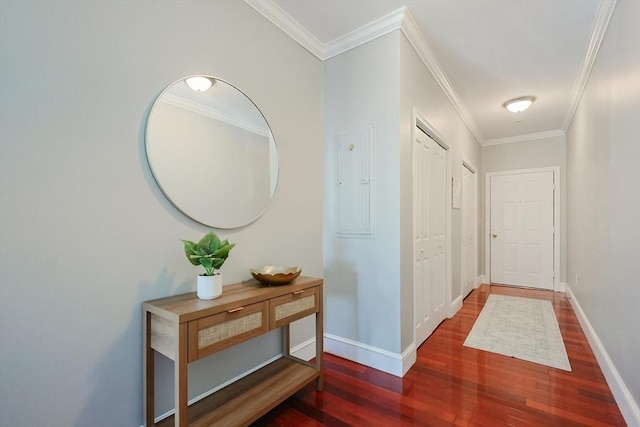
<point>210,252</point>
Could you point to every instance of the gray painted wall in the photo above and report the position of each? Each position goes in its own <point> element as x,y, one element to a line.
<point>362,274</point>
<point>86,233</point>
<point>603,180</point>
<point>540,153</point>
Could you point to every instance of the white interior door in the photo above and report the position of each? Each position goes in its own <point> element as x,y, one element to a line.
<point>522,229</point>
<point>430,234</point>
<point>469,214</point>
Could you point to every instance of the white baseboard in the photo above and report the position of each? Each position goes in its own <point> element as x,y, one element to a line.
<point>562,287</point>
<point>624,399</point>
<point>482,279</point>
<point>305,350</point>
<point>377,358</point>
<point>455,306</point>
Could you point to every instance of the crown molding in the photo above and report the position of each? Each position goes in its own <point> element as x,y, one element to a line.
<point>600,27</point>
<point>371,31</point>
<point>398,19</point>
<point>524,137</point>
<point>290,26</point>
<point>416,39</point>
<point>403,20</point>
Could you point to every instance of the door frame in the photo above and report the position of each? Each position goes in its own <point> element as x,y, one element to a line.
<point>466,163</point>
<point>419,121</point>
<point>556,219</point>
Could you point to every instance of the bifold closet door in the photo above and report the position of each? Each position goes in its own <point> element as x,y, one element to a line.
<point>430,207</point>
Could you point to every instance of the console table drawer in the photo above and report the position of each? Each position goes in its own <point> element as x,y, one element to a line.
<point>296,305</point>
<point>213,333</point>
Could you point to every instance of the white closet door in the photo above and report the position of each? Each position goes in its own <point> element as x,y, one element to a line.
<point>430,234</point>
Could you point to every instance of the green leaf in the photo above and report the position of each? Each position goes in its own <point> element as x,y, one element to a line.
<point>223,252</point>
<point>217,263</point>
<point>207,263</point>
<point>189,250</point>
<point>210,242</point>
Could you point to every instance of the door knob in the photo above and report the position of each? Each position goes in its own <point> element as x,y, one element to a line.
<point>494,235</point>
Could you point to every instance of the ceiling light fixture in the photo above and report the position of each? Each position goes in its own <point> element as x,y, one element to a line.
<point>518,105</point>
<point>199,83</point>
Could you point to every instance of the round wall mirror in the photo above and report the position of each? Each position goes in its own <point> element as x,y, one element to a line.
<point>211,151</point>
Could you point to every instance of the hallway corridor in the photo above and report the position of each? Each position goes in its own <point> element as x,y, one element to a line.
<point>455,385</point>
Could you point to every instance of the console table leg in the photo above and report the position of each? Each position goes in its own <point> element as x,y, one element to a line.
<point>148,361</point>
<point>181,375</point>
<point>286,340</point>
<point>320,342</point>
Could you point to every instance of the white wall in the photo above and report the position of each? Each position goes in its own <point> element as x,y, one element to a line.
<point>420,90</point>
<point>539,153</point>
<point>362,275</point>
<point>86,233</point>
<point>603,182</point>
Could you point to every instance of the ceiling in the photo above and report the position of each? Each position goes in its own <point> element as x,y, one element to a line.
<point>481,52</point>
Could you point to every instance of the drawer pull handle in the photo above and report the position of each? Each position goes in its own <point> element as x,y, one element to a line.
<point>233,310</point>
<point>299,292</point>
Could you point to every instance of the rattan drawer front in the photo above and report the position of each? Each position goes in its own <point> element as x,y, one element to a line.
<point>213,333</point>
<point>293,306</point>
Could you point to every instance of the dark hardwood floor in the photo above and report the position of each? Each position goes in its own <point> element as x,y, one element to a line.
<point>455,385</point>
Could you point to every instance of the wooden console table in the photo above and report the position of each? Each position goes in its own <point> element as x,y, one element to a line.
<point>185,329</point>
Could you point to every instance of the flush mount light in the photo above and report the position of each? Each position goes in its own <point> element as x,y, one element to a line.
<point>199,83</point>
<point>518,105</point>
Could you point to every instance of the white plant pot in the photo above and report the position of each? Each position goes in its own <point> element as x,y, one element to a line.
<point>209,287</point>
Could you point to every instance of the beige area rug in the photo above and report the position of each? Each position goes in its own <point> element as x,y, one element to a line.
<point>523,328</point>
